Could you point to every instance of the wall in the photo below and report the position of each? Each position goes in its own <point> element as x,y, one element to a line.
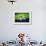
<point>9,31</point>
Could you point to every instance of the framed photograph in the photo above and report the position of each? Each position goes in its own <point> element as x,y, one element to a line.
<point>23,18</point>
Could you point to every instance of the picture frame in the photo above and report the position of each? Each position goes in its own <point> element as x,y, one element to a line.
<point>23,18</point>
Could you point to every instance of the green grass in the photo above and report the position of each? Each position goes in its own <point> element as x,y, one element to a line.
<point>21,15</point>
